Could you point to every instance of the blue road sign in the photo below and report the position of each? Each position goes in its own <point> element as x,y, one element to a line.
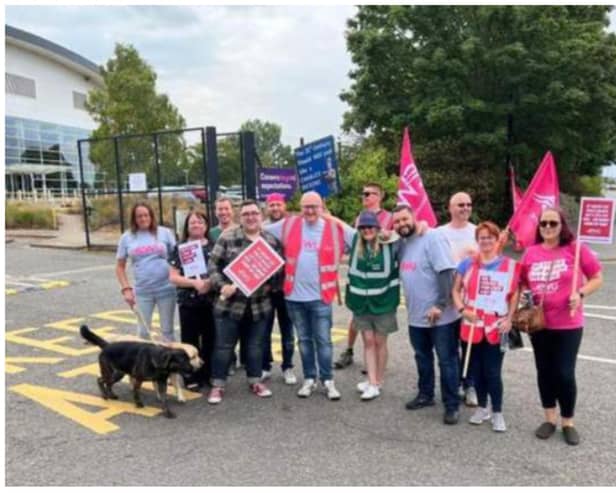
<point>317,167</point>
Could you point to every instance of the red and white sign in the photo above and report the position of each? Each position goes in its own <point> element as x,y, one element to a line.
<point>596,224</point>
<point>492,290</point>
<point>192,259</point>
<point>254,266</point>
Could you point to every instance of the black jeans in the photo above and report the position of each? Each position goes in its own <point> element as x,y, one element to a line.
<point>287,338</point>
<point>555,356</point>
<point>485,368</point>
<point>197,328</point>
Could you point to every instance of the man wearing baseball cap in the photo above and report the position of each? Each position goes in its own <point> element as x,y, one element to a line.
<point>276,210</point>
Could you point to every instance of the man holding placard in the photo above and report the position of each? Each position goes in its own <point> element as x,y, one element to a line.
<point>244,303</point>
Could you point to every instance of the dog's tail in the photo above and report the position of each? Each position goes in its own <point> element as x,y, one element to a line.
<point>90,336</point>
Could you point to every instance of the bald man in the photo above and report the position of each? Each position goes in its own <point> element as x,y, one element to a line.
<point>313,246</point>
<point>460,233</point>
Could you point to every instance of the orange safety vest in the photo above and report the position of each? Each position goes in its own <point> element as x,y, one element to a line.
<point>487,322</point>
<point>330,252</point>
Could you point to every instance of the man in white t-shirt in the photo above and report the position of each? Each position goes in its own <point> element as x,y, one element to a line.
<point>460,233</point>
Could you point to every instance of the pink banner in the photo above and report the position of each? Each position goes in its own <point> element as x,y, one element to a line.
<point>410,187</point>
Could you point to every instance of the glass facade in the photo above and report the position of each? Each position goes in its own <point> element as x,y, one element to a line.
<point>37,142</point>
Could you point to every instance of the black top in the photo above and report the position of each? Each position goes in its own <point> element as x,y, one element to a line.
<point>189,296</point>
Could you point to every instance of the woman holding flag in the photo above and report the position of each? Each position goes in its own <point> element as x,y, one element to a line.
<point>550,270</point>
<point>486,294</point>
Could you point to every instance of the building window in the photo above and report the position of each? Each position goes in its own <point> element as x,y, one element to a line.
<point>22,86</point>
<point>79,100</point>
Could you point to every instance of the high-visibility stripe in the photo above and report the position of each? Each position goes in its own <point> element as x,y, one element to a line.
<point>328,268</point>
<point>354,271</point>
<point>374,291</point>
<point>328,285</point>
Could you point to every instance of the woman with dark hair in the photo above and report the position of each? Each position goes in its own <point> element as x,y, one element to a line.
<point>148,246</point>
<point>486,357</point>
<point>194,299</point>
<point>548,271</point>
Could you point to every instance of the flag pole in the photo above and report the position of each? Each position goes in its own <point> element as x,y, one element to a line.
<point>469,343</point>
<point>576,261</point>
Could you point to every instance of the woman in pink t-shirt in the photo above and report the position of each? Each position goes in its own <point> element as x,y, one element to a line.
<point>547,270</point>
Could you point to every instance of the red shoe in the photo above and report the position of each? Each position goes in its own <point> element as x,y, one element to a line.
<point>215,395</point>
<point>260,390</point>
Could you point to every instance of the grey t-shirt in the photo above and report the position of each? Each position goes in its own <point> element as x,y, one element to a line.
<point>421,259</point>
<point>148,255</point>
<point>307,284</point>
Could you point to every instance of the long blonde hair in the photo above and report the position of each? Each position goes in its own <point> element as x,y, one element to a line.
<point>373,247</point>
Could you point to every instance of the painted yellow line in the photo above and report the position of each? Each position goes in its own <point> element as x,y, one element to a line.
<point>54,284</point>
<point>9,292</point>
<point>10,365</point>
<point>66,404</point>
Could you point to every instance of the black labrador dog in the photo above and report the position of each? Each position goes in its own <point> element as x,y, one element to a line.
<point>142,361</point>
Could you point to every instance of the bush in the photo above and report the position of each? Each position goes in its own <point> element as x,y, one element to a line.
<point>27,215</point>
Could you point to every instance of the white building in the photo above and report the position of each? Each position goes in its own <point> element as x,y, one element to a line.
<point>46,87</point>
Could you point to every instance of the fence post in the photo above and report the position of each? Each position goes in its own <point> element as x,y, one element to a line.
<point>250,172</point>
<point>84,205</point>
<point>158,178</point>
<point>212,169</point>
<point>119,182</point>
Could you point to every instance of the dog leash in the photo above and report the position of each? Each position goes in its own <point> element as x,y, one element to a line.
<point>156,334</point>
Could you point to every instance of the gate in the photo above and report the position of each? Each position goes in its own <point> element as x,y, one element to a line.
<point>171,169</point>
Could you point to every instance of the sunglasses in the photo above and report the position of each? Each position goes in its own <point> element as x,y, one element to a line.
<point>367,194</point>
<point>467,204</point>
<point>551,224</point>
<point>361,228</point>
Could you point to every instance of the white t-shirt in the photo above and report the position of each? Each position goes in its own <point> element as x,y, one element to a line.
<point>461,240</point>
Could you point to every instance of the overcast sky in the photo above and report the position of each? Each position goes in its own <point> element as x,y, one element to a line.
<point>221,65</point>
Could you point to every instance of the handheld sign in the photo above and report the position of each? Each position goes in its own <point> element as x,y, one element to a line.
<point>317,168</point>
<point>192,259</point>
<point>492,291</point>
<point>254,266</point>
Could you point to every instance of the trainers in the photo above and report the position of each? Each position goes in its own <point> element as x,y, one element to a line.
<point>480,415</point>
<point>451,417</point>
<point>289,377</point>
<point>419,402</point>
<point>470,398</point>
<point>345,359</point>
<point>231,371</point>
<point>265,375</point>
<point>498,422</point>
<point>461,392</point>
<point>307,388</point>
<point>215,395</point>
<point>332,391</point>
<point>260,390</point>
<point>371,392</point>
<point>362,386</point>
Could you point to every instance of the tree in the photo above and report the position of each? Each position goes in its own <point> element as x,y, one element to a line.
<point>456,73</point>
<point>129,104</point>
<point>271,151</point>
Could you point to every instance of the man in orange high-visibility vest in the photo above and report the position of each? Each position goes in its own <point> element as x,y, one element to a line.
<point>313,246</point>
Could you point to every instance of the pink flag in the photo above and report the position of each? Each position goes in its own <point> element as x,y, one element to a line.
<point>516,192</point>
<point>410,187</point>
<point>542,192</point>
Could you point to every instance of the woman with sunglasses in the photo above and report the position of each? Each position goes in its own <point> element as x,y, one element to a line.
<point>194,299</point>
<point>487,326</point>
<point>373,295</point>
<point>547,270</point>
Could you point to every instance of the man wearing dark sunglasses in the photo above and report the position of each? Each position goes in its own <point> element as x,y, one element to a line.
<point>460,233</point>
<point>372,195</point>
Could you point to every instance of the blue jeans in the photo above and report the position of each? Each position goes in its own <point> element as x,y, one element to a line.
<point>166,312</point>
<point>313,322</point>
<point>228,332</point>
<point>485,364</point>
<point>286,334</point>
<point>441,338</point>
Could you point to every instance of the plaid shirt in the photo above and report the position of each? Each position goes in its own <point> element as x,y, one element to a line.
<point>229,245</point>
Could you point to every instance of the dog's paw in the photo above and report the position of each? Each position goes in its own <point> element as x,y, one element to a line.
<point>170,415</point>
<point>113,396</point>
<point>139,404</point>
<point>182,399</point>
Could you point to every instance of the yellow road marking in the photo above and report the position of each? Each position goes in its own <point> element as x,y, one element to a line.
<point>54,284</point>
<point>54,345</point>
<point>13,368</point>
<point>9,292</point>
<point>65,404</point>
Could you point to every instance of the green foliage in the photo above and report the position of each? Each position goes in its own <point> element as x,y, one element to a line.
<point>455,73</point>
<point>590,186</point>
<point>271,151</point>
<point>129,104</point>
<point>26,215</point>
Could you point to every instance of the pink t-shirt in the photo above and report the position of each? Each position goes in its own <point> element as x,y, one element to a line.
<point>536,263</point>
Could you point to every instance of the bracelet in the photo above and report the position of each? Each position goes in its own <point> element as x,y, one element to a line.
<point>124,289</point>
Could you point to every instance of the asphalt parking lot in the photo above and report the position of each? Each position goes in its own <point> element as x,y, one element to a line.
<point>59,431</point>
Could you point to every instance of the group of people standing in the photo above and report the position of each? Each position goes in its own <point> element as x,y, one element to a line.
<point>439,270</point>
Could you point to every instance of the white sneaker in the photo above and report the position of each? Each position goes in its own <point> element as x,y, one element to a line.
<point>265,375</point>
<point>471,397</point>
<point>362,386</point>
<point>332,391</point>
<point>480,415</point>
<point>289,377</point>
<point>498,422</point>
<point>307,388</point>
<point>371,392</point>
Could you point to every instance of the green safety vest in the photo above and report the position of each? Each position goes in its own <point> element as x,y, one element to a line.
<point>374,282</point>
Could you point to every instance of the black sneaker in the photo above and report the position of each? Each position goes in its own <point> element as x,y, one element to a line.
<point>419,402</point>
<point>571,435</point>
<point>451,417</point>
<point>345,359</point>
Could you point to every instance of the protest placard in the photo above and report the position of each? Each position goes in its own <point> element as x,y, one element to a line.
<point>192,259</point>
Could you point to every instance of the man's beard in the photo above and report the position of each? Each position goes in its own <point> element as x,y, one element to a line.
<point>406,231</point>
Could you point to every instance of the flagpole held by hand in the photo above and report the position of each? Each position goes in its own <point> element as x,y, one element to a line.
<point>576,264</point>
<point>469,344</point>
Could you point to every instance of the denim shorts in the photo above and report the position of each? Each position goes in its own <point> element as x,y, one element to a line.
<point>383,324</point>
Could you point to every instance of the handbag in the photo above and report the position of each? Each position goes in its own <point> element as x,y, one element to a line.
<point>515,339</point>
<point>531,318</point>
